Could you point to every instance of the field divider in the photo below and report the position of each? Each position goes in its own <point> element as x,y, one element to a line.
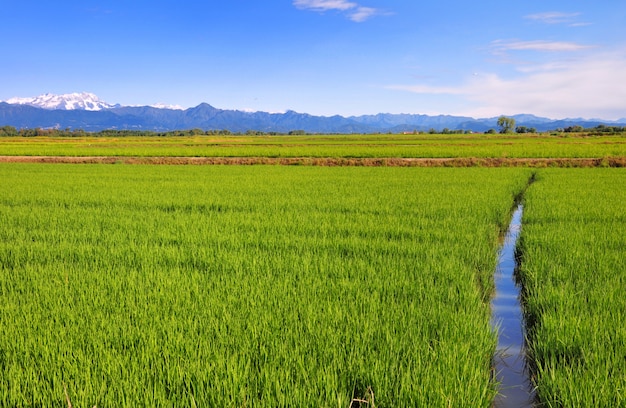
<point>329,161</point>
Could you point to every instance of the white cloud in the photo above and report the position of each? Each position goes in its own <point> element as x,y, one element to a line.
<point>355,12</point>
<point>557,17</point>
<point>324,5</point>
<point>504,49</point>
<point>363,13</point>
<point>553,17</point>
<point>539,45</point>
<point>589,87</point>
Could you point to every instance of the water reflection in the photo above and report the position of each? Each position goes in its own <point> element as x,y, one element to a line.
<point>507,318</point>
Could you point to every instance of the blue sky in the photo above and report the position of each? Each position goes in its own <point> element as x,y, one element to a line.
<point>324,57</point>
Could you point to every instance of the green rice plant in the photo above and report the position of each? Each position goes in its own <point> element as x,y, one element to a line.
<point>338,146</point>
<point>573,272</point>
<point>262,286</point>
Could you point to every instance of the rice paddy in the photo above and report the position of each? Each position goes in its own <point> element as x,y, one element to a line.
<point>573,272</point>
<point>248,286</point>
<point>317,146</point>
<point>275,286</point>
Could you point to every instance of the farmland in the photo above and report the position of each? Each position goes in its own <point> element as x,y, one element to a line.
<point>309,285</point>
<point>319,146</point>
<point>260,286</point>
<point>573,272</point>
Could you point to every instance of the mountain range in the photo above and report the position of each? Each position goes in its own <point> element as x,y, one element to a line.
<point>86,111</point>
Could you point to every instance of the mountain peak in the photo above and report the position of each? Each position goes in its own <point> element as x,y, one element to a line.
<point>75,101</point>
<point>67,111</point>
<point>71,101</point>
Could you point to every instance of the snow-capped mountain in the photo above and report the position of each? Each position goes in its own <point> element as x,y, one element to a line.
<point>76,101</point>
<point>72,101</point>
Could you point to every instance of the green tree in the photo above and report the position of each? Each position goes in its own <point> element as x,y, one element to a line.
<point>506,124</point>
<point>8,131</point>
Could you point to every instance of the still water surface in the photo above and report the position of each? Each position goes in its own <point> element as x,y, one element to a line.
<point>507,318</point>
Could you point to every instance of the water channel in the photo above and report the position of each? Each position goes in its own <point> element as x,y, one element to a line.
<point>515,390</point>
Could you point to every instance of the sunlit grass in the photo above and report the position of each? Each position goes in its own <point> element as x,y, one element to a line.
<point>248,286</point>
<point>367,146</point>
<point>573,271</point>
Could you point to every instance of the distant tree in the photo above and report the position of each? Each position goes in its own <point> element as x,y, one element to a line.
<point>575,128</point>
<point>521,129</point>
<point>8,131</point>
<point>506,124</point>
<point>491,131</point>
<point>607,129</point>
<point>297,132</point>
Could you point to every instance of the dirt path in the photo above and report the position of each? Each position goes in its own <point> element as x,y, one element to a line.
<point>328,161</point>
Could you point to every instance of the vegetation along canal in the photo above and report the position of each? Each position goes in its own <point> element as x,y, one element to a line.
<point>509,362</point>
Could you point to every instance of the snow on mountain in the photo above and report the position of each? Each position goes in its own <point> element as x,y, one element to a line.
<point>75,101</point>
<point>61,111</point>
<point>72,101</point>
<point>165,106</point>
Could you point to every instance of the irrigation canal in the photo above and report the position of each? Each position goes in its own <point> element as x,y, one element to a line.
<point>516,390</point>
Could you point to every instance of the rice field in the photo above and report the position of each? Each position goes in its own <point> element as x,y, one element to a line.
<point>261,286</point>
<point>573,271</point>
<point>316,146</point>
<point>274,286</point>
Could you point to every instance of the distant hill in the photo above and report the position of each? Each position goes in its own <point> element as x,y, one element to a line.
<point>86,111</point>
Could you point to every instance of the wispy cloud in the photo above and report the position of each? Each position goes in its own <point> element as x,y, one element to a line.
<point>557,17</point>
<point>538,45</point>
<point>362,13</point>
<point>324,5</point>
<point>354,11</point>
<point>587,87</point>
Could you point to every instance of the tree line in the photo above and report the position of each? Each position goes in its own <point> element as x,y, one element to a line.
<point>67,132</point>
<point>505,125</point>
